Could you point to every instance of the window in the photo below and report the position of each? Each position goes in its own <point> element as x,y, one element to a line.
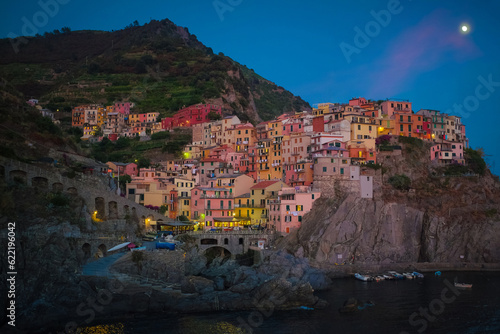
<point>300,218</point>
<point>312,196</point>
<point>288,208</point>
<point>299,208</point>
<point>262,191</point>
<point>359,127</point>
<point>342,171</point>
<point>324,169</point>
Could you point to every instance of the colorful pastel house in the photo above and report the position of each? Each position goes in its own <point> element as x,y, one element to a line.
<point>123,168</point>
<point>390,107</point>
<point>259,193</point>
<point>123,107</point>
<point>300,173</point>
<point>189,116</point>
<point>446,152</point>
<point>287,211</point>
<point>213,208</point>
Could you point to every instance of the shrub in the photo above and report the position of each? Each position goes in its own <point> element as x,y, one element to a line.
<point>373,166</point>
<point>415,142</point>
<point>400,182</point>
<point>383,140</point>
<point>475,160</point>
<point>160,135</point>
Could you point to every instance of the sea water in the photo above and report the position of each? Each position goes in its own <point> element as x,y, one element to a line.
<point>428,305</point>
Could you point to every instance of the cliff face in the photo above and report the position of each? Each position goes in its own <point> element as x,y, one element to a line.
<point>441,219</point>
<point>370,231</point>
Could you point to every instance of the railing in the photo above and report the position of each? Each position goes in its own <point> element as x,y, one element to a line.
<point>217,196</point>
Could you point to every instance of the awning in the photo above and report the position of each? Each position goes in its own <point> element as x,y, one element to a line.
<point>176,224</point>
<point>227,220</point>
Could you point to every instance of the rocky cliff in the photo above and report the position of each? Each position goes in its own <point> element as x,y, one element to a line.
<point>441,218</point>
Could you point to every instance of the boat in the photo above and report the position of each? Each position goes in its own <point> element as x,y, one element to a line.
<point>408,276</point>
<point>379,278</point>
<point>463,285</point>
<point>388,277</point>
<point>364,278</point>
<point>417,275</point>
<point>165,245</point>
<point>138,249</point>
<point>396,275</point>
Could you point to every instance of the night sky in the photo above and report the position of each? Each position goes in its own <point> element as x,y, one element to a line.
<point>330,51</point>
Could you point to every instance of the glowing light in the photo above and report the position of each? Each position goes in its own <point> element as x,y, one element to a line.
<point>465,28</point>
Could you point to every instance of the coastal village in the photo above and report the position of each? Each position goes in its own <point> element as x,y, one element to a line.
<point>236,175</point>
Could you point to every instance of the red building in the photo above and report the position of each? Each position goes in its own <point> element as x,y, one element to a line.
<point>186,117</point>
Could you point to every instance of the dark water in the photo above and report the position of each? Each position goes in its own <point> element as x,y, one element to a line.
<point>470,311</point>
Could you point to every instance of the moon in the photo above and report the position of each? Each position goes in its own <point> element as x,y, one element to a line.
<point>465,28</point>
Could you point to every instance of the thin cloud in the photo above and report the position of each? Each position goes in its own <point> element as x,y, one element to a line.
<point>435,41</point>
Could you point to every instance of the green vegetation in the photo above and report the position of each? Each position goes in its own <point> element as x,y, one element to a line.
<point>475,161</point>
<point>157,66</point>
<point>411,141</point>
<point>400,182</point>
<point>491,213</point>
<point>373,166</point>
<point>58,199</point>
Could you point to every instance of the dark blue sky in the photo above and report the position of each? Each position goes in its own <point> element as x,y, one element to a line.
<point>416,51</point>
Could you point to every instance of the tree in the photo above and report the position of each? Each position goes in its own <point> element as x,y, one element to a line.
<point>123,180</point>
<point>136,23</point>
<point>183,218</point>
<point>143,162</point>
<point>475,160</point>
<point>213,116</point>
<point>122,142</point>
<point>65,30</point>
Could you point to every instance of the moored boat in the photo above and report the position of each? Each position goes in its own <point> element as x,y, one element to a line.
<point>396,275</point>
<point>364,278</point>
<point>408,276</point>
<point>417,274</point>
<point>388,277</point>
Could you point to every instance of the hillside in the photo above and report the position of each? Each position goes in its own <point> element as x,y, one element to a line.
<point>159,66</point>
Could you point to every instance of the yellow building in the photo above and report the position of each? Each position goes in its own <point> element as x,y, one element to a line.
<point>259,194</point>
<point>184,187</point>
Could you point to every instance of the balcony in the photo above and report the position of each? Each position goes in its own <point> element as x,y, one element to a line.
<point>216,196</point>
<point>295,153</point>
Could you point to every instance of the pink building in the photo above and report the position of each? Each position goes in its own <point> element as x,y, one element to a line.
<point>389,107</point>
<point>123,107</point>
<point>357,101</point>
<point>189,116</point>
<point>124,168</point>
<point>447,152</point>
<point>293,125</point>
<point>299,174</point>
<point>212,207</point>
<point>286,213</point>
